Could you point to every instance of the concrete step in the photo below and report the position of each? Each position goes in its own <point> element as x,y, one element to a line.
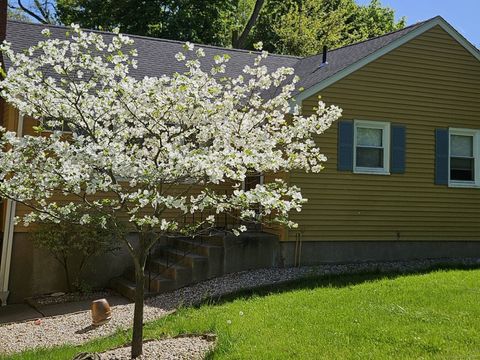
<point>124,287</point>
<point>172,270</point>
<point>214,253</point>
<point>154,282</point>
<point>159,284</point>
<point>197,263</point>
<point>197,247</point>
<point>215,239</point>
<point>175,263</point>
<point>181,257</point>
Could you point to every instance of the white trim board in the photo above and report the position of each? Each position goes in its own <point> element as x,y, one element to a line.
<point>8,232</point>
<point>298,99</point>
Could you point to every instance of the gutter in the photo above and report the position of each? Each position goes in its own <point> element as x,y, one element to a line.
<point>8,232</point>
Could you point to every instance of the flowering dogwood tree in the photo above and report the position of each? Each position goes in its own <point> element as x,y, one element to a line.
<point>138,146</point>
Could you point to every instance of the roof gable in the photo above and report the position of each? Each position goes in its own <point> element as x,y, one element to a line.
<point>361,54</point>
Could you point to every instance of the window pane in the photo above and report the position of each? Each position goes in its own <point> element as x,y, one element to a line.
<point>251,181</point>
<point>369,137</point>
<point>369,157</point>
<point>462,169</point>
<point>461,145</point>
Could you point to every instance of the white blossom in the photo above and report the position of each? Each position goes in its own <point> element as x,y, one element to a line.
<point>180,56</point>
<point>144,149</point>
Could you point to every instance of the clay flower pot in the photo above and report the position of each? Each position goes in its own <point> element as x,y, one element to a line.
<point>101,312</point>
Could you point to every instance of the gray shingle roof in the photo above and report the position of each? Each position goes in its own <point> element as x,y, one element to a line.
<point>156,56</point>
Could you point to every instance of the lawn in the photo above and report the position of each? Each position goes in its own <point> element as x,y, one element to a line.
<point>432,315</point>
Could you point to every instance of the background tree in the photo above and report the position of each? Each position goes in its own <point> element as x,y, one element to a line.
<point>144,153</point>
<point>303,27</point>
<point>42,11</point>
<point>294,27</point>
<point>212,22</point>
<point>15,14</point>
<point>239,40</point>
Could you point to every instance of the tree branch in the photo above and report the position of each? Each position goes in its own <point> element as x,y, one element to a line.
<point>31,13</point>
<point>239,43</point>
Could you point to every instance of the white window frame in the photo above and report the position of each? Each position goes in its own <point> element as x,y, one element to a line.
<point>383,125</point>
<point>476,156</point>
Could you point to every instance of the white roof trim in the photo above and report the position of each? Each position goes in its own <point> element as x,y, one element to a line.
<point>386,49</point>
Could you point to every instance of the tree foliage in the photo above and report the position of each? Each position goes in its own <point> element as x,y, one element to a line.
<point>204,21</point>
<point>303,27</point>
<point>295,27</point>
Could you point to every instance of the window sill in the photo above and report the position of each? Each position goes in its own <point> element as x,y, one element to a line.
<point>463,185</point>
<point>64,132</point>
<point>370,172</point>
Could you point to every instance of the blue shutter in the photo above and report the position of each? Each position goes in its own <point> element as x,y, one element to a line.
<point>345,145</point>
<point>397,156</point>
<point>441,156</point>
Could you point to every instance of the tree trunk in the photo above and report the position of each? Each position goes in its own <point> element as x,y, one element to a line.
<point>137,337</point>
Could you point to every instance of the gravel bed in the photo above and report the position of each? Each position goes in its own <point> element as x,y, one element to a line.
<point>188,348</point>
<point>72,328</point>
<point>76,328</point>
<point>234,282</point>
<point>58,298</point>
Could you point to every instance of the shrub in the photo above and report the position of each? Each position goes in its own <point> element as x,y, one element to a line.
<point>73,245</point>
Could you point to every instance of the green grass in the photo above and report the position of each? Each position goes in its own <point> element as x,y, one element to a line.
<point>430,316</point>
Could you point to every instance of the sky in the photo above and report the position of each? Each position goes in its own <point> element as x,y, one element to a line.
<point>461,14</point>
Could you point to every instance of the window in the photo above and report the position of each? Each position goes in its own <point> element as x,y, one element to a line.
<point>371,147</point>
<point>463,155</point>
<point>63,127</point>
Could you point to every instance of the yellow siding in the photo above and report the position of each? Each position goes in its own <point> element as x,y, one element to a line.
<point>168,214</point>
<point>429,82</point>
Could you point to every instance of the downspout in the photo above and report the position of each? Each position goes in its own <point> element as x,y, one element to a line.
<point>8,206</point>
<point>8,232</point>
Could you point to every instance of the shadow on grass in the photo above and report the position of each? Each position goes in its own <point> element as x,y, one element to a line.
<point>328,280</point>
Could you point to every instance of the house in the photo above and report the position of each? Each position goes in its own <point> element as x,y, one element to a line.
<point>402,179</point>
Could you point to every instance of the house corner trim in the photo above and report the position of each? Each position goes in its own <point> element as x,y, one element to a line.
<point>7,246</point>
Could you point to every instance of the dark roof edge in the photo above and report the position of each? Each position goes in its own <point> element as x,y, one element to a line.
<point>379,36</point>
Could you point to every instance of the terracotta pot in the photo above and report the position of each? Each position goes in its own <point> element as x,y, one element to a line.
<point>101,312</point>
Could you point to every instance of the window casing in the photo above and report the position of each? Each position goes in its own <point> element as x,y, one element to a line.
<point>463,158</point>
<point>371,150</point>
